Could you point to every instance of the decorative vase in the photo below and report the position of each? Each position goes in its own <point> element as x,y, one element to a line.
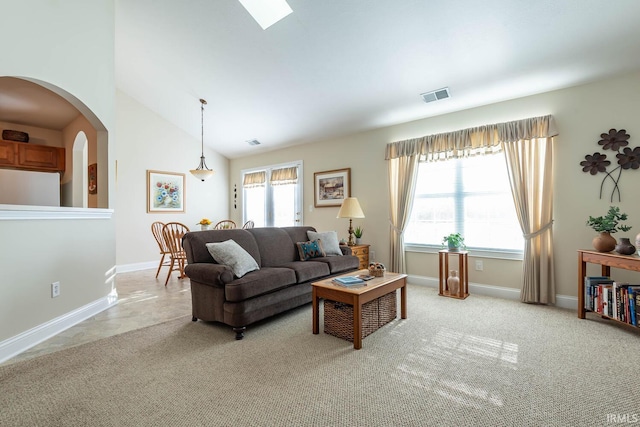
<point>624,247</point>
<point>358,240</point>
<point>453,282</point>
<point>604,242</point>
<point>204,227</point>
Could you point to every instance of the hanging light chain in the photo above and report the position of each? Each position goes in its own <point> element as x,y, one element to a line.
<point>202,172</point>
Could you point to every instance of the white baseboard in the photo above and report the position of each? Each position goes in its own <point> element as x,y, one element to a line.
<point>24,341</point>
<point>127,268</point>
<point>562,301</point>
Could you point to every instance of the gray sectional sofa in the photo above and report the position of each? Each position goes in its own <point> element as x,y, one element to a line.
<point>282,282</point>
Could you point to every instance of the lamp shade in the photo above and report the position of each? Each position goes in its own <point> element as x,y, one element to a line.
<point>202,174</point>
<point>350,209</point>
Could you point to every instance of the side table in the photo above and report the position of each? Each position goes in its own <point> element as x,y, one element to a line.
<point>463,273</point>
<point>362,252</point>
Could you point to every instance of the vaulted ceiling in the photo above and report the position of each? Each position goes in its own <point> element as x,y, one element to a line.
<point>336,67</point>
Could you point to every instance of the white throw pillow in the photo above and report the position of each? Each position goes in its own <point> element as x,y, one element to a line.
<point>232,254</point>
<point>329,241</point>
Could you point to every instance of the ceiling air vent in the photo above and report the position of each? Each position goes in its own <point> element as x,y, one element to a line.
<point>435,95</point>
<point>253,142</point>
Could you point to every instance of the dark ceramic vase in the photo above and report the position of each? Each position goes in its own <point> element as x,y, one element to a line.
<point>604,242</point>
<point>624,247</point>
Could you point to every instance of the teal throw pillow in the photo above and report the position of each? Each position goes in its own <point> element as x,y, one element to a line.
<point>308,250</point>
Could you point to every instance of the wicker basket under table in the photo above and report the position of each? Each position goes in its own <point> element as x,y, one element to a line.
<point>338,316</point>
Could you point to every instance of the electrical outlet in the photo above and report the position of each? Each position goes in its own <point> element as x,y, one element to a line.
<point>55,289</point>
<point>479,265</point>
<point>372,256</point>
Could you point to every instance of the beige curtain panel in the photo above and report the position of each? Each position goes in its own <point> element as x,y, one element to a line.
<point>403,173</point>
<point>254,179</point>
<point>284,176</point>
<point>530,166</point>
<point>527,145</point>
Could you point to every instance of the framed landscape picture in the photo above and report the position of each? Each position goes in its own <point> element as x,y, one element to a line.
<point>165,192</point>
<point>330,188</point>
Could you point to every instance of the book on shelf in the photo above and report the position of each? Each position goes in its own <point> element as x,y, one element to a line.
<point>592,293</point>
<point>616,300</point>
<point>633,296</point>
<point>348,281</point>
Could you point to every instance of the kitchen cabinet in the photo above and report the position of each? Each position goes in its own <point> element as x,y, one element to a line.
<point>25,156</point>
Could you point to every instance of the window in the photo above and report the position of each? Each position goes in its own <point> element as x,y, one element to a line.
<point>468,195</point>
<point>272,195</point>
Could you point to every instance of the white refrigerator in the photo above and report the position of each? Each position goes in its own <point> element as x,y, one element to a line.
<point>19,187</point>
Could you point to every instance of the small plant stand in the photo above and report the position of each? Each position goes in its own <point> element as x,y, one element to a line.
<point>463,273</point>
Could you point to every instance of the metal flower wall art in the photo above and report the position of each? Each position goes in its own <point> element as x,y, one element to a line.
<point>615,140</point>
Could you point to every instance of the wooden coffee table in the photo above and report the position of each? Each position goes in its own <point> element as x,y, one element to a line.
<point>356,297</point>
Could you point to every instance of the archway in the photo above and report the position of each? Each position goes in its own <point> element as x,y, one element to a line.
<point>44,109</point>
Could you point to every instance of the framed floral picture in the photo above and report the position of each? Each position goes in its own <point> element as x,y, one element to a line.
<point>165,192</point>
<point>330,188</point>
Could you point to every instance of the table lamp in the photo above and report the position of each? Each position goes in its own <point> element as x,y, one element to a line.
<point>350,209</point>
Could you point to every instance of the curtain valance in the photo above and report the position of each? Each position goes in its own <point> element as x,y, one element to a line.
<point>471,141</point>
<point>254,179</point>
<point>284,176</point>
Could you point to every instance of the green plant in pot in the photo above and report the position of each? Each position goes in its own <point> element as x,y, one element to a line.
<point>358,233</point>
<point>607,225</point>
<point>454,242</point>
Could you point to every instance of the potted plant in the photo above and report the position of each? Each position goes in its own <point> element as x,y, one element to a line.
<point>454,242</point>
<point>358,233</point>
<point>204,223</point>
<point>606,225</point>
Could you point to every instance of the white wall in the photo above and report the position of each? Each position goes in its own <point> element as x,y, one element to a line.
<point>582,114</point>
<point>37,135</point>
<point>68,47</point>
<point>148,142</point>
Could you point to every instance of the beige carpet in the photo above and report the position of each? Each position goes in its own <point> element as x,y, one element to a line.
<point>475,362</point>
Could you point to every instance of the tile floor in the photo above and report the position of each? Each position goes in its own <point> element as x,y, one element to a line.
<point>143,301</point>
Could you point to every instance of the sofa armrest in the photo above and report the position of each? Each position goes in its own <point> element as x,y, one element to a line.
<point>346,250</point>
<point>209,273</point>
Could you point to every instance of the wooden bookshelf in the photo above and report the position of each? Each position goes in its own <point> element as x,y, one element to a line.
<point>606,260</point>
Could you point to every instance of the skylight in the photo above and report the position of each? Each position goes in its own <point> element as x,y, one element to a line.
<point>267,12</point>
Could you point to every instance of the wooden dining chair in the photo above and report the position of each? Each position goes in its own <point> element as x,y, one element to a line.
<point>156,229</point>
<point>248,224</point>
<point>224,225</point>
<point>172,233</point>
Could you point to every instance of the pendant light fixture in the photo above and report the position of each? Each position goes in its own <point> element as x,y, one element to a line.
<point>202,172</point>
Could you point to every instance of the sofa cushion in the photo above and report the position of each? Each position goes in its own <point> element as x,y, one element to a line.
<point>299,233</point>
<point>259,282</point>
<point>230,253</point>
<point>338,264</point>
<point>194,243</point>
<point>329,241</point>
<point>275,246</point>
<point>309,270</point>
<point>308,250</point>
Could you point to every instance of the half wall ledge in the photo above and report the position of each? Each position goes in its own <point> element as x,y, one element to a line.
<point>38,213</point>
